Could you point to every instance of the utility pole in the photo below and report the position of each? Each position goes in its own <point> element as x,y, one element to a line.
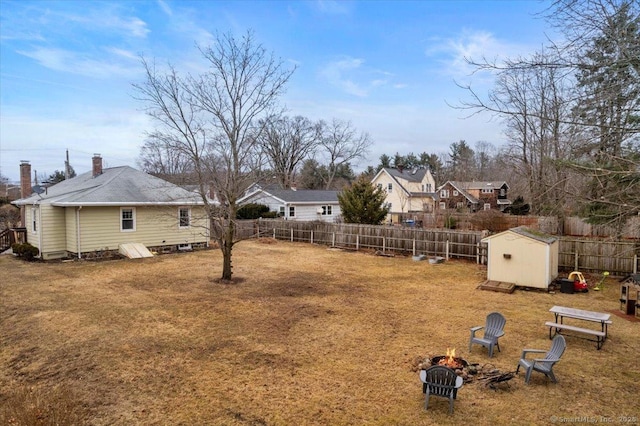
<point>66,167</point>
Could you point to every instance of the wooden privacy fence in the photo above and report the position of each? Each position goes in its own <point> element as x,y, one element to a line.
<point>588,255</point>
<point>387,239</point>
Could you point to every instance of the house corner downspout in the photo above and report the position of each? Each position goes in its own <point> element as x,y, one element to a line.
<point>78,231</point>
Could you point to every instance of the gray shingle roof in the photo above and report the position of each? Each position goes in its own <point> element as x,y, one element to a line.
<point>411,175</point>
<point>305,195</point>
<point>115,186</point>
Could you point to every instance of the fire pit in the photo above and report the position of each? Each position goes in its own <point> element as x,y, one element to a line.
<point>450,360</point>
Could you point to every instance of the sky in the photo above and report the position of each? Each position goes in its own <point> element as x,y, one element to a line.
<point>390,68</point>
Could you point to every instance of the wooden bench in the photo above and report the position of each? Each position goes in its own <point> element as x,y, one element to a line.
<point>600,335</point>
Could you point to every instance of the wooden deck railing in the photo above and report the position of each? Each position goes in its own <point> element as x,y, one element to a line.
<point>10,236</point>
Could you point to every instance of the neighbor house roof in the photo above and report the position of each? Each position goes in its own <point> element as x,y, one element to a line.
<point>480,184</point>
<point>300,196</point>
<point>115,186</point>
<point>461,189</point>
<point>411,175</point>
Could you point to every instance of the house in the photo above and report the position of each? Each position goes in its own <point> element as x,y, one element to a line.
<point>293,204</point>
<point>473,196</point>
<point>104,209</point>
<point>523,257</point>
<point>408,191</point>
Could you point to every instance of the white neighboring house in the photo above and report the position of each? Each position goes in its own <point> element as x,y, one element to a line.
<point>408,191</point>
<point>101,210</point>
<point>300,204</point>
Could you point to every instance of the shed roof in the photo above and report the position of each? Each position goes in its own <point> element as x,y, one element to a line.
<point>526,232</point>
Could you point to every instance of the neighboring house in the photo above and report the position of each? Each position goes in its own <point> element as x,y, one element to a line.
<point>292,204</point>
<point>473,196</point>
<point>98,211</point>
<point>408,191</point>
<point>523,257</point>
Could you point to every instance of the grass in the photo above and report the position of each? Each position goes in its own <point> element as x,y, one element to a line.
<point>306,335</point>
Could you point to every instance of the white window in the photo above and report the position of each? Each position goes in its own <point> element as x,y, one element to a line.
<point>443,206</point>
<point>326,211</point>
<point>127,219</point>
<point>292,211</point>
<point>184,217</point>
<point>388,206</point>
<point>487,206</point>
<point>487,191</point>
<point>428,189</point>
<point>281,210</point>
<point>444,193</point>
<point>379,186</point>
<point>459,204</point>
<point>34,220</point>
<point>455,193</point>
<point>389,188</point>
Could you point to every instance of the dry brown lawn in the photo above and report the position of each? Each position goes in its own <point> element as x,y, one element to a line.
<point>307,336</point>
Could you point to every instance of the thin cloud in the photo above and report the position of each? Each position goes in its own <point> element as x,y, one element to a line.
<point>352,76</point>
<point>165,8</point>
<point>454,53</point>
<point>332,7</point>
<point>336,73</point>
<point>74,63</point>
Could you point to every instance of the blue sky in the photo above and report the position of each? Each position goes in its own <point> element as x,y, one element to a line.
<point>389,67</point>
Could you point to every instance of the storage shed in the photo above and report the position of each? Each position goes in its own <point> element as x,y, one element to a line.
<point>522,256</point>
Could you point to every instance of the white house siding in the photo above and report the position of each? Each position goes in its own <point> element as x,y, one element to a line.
<point>401,201</point>
<point>527,265</point>
<point>272,203</point>
<point>310,212</point>
<point>154,226</point>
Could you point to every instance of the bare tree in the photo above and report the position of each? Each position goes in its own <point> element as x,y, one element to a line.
<point>213,119</point>
<point>157,157</point>
<point>572,109</point>
<point>287,142</point>
<point>340,144</point>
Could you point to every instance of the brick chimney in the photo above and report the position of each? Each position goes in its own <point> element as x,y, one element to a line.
<point>25,188</point>
<point>25,179</point>
<point>97,165</point>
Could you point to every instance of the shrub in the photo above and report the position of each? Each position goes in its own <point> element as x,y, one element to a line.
<point>252,211</point>
<point>25,251</point>
<point>450,222</point>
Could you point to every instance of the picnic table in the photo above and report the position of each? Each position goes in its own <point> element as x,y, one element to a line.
<point>562,312</point>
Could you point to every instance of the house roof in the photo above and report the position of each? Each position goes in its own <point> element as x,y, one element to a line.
<point>301,196</point>
<point>480,184</point>
<point>461,189</point>
<point>116,186</point>
<point>411,175</point>
<point>529,233</point>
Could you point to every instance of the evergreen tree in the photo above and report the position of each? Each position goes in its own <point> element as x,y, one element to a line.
<point>363,203</point>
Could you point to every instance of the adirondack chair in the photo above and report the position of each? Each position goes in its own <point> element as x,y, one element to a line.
<point>543,365</point>
<point>493,330</point>
<point>441,381</point>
